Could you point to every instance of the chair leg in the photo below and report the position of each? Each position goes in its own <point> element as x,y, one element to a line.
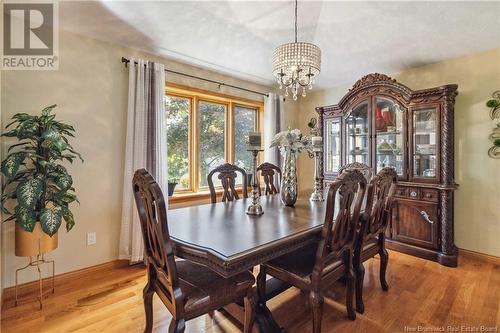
<point>351,314</point>
<point>384,260</point>
<point>317,300</point>
<point>261,285</point>
<point>177,326</point>
<point>249,311</point>
<point>147,296</point>
<point>360,275</point>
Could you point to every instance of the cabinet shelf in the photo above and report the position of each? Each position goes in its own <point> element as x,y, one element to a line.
<point>388,133</point>
<point>387,153</point>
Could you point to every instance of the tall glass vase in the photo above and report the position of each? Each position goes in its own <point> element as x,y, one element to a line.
<point>289,178</point>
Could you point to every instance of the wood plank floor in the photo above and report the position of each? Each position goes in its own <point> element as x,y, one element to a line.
<point>422,293</point>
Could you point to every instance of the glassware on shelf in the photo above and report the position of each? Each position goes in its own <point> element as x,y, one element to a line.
<point>332,145</point>
<point>425,140</point>
<point>357,139</point>
<point>389,120</point>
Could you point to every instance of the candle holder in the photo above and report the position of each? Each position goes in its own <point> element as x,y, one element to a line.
<point>255,208</point>
<point>317,194</point>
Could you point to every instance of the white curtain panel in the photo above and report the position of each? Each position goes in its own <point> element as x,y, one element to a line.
<point>273,123</point>
<point>145,147</point>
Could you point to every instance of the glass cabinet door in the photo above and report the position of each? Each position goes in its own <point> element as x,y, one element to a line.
<point>424,142</point>
<point>390,139</point>
<point>358,135</point>
<point>332,145</point>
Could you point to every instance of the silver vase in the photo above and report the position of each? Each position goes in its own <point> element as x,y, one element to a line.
<point>289,178</point>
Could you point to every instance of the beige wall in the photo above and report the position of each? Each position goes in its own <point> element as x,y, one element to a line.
<point>90,89</point>
<point>477,203</point>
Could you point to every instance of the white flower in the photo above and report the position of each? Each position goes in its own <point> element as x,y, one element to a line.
<point>292,140</point>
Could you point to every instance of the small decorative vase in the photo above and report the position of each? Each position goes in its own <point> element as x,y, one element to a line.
<point>387,116</point>
<point>379,120</point>
<point>288,191</point>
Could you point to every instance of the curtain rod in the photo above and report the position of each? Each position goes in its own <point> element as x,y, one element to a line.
<point>126,61</point>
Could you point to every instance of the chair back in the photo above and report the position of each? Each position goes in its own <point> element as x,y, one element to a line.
<point>365,169</point>
<point>380,196</point>
<point>159,255</point>
<point>269,171</point>
<point>227,176</point>
<point>339,228</point>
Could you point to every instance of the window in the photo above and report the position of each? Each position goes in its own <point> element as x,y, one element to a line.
<point>212,128</point>
<point>204,131</point>
<point>178,110</point>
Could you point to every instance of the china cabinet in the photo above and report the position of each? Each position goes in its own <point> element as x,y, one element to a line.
<point>383,123</point>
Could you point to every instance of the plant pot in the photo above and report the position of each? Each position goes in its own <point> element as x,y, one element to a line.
<point>171,188</point>
<point>33,243</point>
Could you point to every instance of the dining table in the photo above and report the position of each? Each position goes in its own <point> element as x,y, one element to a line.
<point>224,238</point>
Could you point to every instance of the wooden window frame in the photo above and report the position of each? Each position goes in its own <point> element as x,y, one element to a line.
<point>194,190</point>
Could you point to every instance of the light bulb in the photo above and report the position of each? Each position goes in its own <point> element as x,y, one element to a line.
<point>294,97</point>
<point>303,92</point>
<point>286,92</point>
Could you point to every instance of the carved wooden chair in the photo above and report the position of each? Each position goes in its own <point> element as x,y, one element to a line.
<point>188,290</point>
<point>269,171</point>
<point>316,267</point>
<point>370,238</point>
<point>227,176</point>
<point>365,169</point>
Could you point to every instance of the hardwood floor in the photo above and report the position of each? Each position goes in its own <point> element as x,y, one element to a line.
<point>421,293</point>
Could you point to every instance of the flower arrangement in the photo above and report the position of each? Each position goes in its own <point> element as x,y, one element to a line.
<point>291,140</point>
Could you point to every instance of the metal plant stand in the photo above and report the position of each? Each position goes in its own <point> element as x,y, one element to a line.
<point>37,261</point>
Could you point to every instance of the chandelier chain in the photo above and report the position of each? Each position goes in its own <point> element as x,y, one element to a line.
<point>296,5</point>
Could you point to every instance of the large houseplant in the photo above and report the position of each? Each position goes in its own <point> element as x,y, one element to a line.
<point>36,181</point>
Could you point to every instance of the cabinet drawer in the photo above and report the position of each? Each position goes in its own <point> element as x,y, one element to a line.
<point>429,195</point>
<point>401,192</point>
<point>408,192</point>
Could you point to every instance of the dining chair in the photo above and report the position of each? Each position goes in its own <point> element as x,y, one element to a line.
<point>227,176</point>
<point>188,290</point>
<point>316,267</point>
<point>365,169</point>
<point>370,238</point>
<point>269,171</point>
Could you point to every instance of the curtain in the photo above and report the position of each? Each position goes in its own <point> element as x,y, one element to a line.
<point>273,123</point>
<point>145,147</point>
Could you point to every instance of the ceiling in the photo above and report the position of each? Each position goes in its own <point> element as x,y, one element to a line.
<point>238,37</point>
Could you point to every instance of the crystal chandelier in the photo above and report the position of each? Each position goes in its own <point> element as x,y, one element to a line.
<point>295,65</point>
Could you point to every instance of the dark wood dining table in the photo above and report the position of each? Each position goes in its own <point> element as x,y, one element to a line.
<point>224,238</point>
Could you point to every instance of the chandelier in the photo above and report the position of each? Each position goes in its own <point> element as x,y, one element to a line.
<point>295,65</point>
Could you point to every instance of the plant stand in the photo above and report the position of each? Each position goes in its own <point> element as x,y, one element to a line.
<point>37,261</point>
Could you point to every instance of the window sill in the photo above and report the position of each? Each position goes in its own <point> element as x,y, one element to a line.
<point>179,200</point>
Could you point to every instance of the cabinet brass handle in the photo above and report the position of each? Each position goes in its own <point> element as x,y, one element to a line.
<point>413,194</point>
<point>426,216</point>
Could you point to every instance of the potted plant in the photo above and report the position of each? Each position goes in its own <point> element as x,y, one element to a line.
<point>171,186</point>
<point>37,182</point>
